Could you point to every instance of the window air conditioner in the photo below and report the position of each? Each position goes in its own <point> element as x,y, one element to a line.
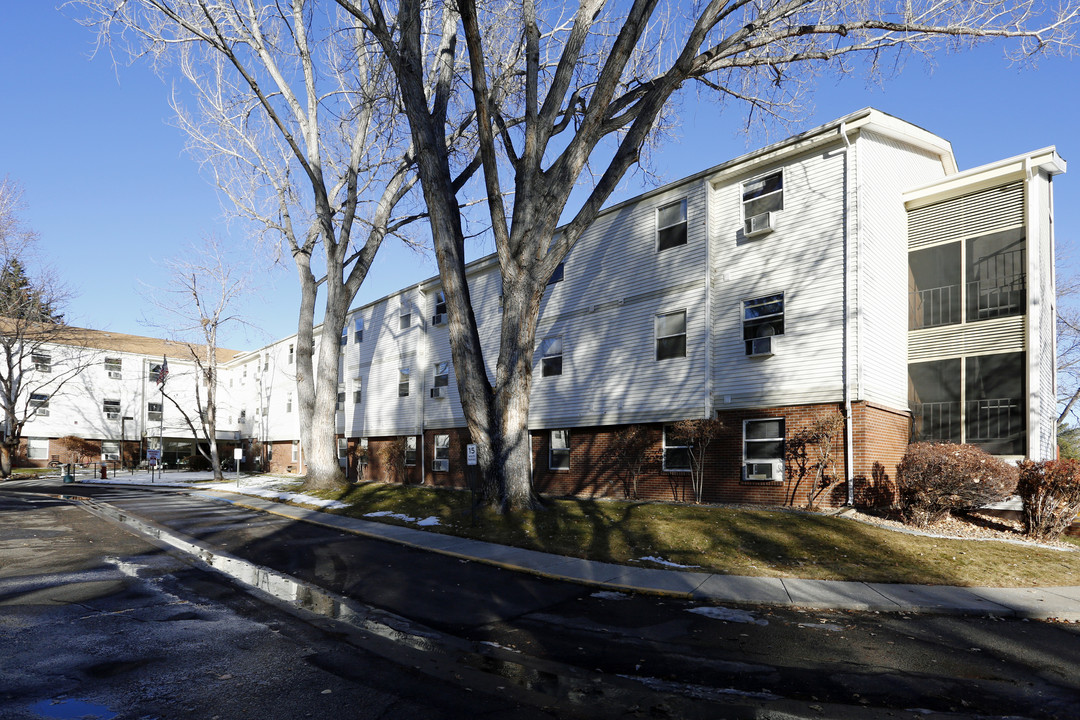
<point>438,319</point>
<point>440,465</point>
<point>760,471</point>
<point>761,347</point>
<point>438,392</point>
<point>115,374</point>
<point>758,225</point>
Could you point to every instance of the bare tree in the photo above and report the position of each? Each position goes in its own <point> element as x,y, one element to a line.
<point>557,97</point>
<point>205,288</point>
<point>297,120</point>
<point>39,353</point>
<point>698,435</point>
<point>1068,338</point>
<point>629,449</point>
<point>811,452</point>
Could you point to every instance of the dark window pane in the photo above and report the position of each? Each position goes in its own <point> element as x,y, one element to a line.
<point>763,429</point>
<point>556,276</point>
<point>672,236</point>
<point>995,414</point>
<point>934,397</point>
<point>996,275</point>
<point>676,459</point>
<point>551,366</point>
<point>764,449</point>
<point>671,347</point>
<point>934,286</point>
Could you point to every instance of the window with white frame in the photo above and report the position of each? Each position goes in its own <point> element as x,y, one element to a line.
<point>671,225</point>
<point>266,362</point>
<point>37,448</point>
<point>343,451</point>
<point>763,194</point>
<point>358,391</point>
<point>288,403</point>
<point>403,382</point>
<point>442,454</point>
<point>295,451</point>
<point>243,415</point>
<point>440,303</point>
<point>676,451</point>
<point>110,449</point>
<point>292,354</point>
<point>340,398</point>
<point>442,379</point>
<point>671,335</point>
<point>153,412</point>
<point>114,367</point>
<point>42,361</point>
<point>763,319</point>
<point>410,450</point>
<point>557,275</point>
<point>344,336</point>
<point>763,449</point>
<point>405,318</point>
<point>111,408</point>
<point>358,330</point>
<point>551,355</point>
<point>39,403</point>
<point>559,450</point>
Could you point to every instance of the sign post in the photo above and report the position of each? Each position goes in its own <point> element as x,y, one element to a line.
<point>152,457</point>
<point>470,462</point>
<point>238,455</point>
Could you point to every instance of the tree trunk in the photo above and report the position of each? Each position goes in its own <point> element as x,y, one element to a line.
<point>5,461</point>
<point>304,369</point>
<point>323,471</point>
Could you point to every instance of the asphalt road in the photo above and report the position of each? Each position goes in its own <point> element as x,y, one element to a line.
<point>693,657</point>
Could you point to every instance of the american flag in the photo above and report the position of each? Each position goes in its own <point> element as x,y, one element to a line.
<point>163,371</point>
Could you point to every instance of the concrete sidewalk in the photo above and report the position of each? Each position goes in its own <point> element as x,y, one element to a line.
<point>1061,603</point>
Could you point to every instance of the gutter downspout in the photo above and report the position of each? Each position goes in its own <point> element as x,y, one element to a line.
<point>849,432</point>
<point>708,304</point>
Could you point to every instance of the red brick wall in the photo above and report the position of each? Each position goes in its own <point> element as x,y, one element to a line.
<point>880,437</point>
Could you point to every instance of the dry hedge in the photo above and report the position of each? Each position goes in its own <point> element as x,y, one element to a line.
<point>934,479</point>
<point>1051,494</point>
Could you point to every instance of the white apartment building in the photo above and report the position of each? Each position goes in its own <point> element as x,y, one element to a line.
<point>850,269</point>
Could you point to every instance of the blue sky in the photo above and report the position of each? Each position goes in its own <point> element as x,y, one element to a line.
<point>112,192</point>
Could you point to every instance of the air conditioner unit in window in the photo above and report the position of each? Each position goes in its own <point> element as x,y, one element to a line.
<point>115,374</point>
<point>761,471</point>
<point>439,319</point>
<point>440,465</point>
<point>760,347</point>
<point>439,392</point>
<point>758,224</point>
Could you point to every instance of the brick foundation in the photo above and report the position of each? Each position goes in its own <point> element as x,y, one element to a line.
<point>880,437</point>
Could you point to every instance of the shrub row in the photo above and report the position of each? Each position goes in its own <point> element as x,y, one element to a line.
<point>935,479</point>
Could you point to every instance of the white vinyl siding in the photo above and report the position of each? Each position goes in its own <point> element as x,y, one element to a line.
<point>803,258</point>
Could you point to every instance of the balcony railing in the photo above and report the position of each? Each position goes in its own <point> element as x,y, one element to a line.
<point>934,306</point>
<point>989,421</point>
<point>991,298</point>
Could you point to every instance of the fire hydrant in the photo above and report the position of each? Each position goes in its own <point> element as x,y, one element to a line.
<point>104,471</point>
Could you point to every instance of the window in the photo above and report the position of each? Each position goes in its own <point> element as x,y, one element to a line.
<point>153,412</point>
<point>344,336</point>
<point>110,449</point>
<point>266,362</point>
<point>934,286</point>
<point>440,303</point>
<point>676,452</point>
<point>37,448</point>
<point>42,361</point>
<point>340,398</point>
<point>288,403</point>
<point>410,450</point>
<point>671,335</point>
<point>39,402</point>
<point>358,391</point>
<point>442,454</point>
<point>342,451</point>
<point>405,318</point>
<point>442,374</point>
<point>111,408</point>
<point>113,367</point>
<point>557,276</point>
<point>765,194</point>
<point>762,319</point>
<point>403,383</point>
<point>295,451</point>
<point>763,449</point>
<point>551,356</point>
<point>243,415</point>
<point>559,450</point>
<point>358,330</point>
<point>292,354</point>
<point>671,225</point>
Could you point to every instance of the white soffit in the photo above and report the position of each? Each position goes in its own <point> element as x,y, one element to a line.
<point>985,176</point>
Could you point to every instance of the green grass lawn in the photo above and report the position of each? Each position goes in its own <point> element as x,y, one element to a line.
<point>768,543</point>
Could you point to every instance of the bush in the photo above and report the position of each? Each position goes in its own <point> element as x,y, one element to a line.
<point>197,462</point>
<point>1051,494</point>
<point>934,479</point>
